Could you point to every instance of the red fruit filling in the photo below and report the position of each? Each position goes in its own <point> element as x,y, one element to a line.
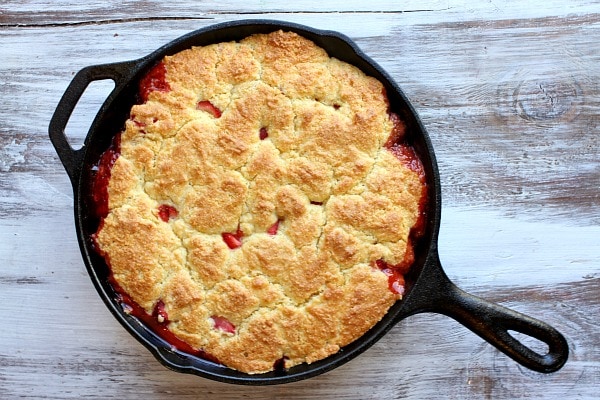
<point>167,212</point>
<point>154,81</point>
<point>160,314</point>
<point>403,152</point>
<point>263,134</point>
<point>273,228</point>
<point>222,324</point>
<point>101,176</point>
<point>408,157</point>
<point>395,275</point>
<point>398,130</point>
<point>207,106</point>
<point>233,240</point>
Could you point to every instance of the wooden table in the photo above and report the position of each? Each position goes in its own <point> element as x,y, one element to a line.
<point>510,94</point>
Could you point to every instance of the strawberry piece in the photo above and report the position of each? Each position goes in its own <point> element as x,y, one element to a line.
<point>167,212</point>
<point>160,313</point>
<point>263,133</point>
<point>273,228</point>
<point>396,284</point>
<point>395,274</point>
<point>209,107</point>
<point>233,240</point>
<point>222,324</point>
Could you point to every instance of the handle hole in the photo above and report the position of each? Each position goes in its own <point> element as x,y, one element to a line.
<point>86,110</point>
<point>532,343</point>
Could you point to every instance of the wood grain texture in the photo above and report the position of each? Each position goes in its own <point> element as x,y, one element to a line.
<point>509,94</point>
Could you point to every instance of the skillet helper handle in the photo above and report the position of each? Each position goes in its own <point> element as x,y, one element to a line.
<point>72,159</point>
<point>493,323</point>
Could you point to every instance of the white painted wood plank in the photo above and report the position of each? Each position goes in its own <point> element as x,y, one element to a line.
<point>44,12</point>
<point>40,12</point>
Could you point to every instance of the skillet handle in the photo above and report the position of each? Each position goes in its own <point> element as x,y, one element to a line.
<point>72,159</point>
<point>491,321</point>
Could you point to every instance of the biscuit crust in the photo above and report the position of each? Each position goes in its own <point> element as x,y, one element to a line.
<point>281,197</point>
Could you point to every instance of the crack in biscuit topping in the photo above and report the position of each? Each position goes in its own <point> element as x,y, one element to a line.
<point>255,206</point>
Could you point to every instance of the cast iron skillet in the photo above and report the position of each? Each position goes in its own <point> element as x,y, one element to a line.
<point>428,288</point>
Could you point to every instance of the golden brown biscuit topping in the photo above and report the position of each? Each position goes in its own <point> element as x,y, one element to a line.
<point>261,207</point>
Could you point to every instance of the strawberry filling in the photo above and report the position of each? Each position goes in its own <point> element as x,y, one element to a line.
<point>209,107</point>
<point>395,274</point>
<point>233,240</point>
<point>154,81</point>
<point>101,176</point>
<point>167,212</point>
<point>160,314</point>
<point>273,228</point>
<point>408,157</point>
<point>263,133</point>
<point>398,131</point>
<point>222,324</point>
<point>403,152</point>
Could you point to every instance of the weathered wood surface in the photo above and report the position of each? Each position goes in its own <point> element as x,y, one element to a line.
<point>509,92</point>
